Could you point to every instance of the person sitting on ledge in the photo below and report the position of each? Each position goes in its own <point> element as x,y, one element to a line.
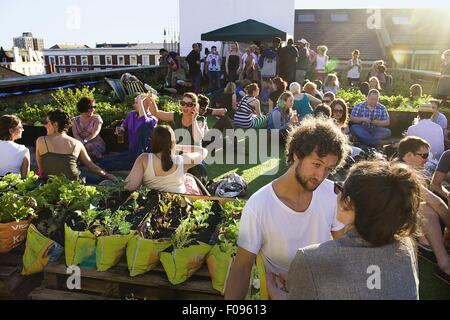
<point>15,157</point>
<point>162,169</point>
<point>370,120</point>
<point>57,153</point>
<point>87,126</point>
<point>139,125</point>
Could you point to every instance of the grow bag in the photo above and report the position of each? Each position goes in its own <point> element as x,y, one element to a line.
<point>181,264</point>
<point>110,249</point>
<point>39,251</point>
<point>79,246</point>
<point>12,234</point>
<point>143,254</point>
<point>219,264</point>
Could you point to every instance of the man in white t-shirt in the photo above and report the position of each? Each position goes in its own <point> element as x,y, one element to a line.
<point>428,130</point>
<point>294,211</point>
<point>213,62</point>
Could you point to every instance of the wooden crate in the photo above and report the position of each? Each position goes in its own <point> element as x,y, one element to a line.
<point>116,283</point>
<point>13,285</point>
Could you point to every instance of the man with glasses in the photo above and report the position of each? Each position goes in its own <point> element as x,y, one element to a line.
<point>426,129</point>
<point>296,210</point>
<point>414,151</point>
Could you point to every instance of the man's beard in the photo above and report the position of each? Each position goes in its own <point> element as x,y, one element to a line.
<point>302,181</point>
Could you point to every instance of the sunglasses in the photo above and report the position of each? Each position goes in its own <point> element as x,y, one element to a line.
<point>188,104</point>
<point>338,187</point>
<point>91,107</point>
<point>423,155</point>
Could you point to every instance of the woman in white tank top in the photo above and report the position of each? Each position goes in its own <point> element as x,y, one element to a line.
<point>320,62</point>
<point>162,170</point>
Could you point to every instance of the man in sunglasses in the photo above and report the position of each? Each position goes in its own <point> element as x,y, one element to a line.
<point>294,211</point>
<point>414,151</point>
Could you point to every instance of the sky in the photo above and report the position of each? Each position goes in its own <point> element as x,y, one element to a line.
<point>97,21</point>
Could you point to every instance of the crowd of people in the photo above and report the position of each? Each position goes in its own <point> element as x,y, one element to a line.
<point>375,217</point>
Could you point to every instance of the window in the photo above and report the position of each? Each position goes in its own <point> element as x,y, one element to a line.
<point>96,60</point>
<point>51,60</point>
<point>108,60</point>
<point>339,17</point>
<point>84,60</point>
<point>401,20</point>
<point>73,70</point>
<point>62,70</point>
<point>73,60</point>
<point>120,60</point>
<point>306,18</point>
<point>145,60</point>
<point>85,69</point>
<point>61,60</point>
<point>133,60</point>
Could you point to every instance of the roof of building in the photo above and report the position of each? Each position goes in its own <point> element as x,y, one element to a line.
<point>8,73</point>
<point>69,46</point>
<point>344,30</point>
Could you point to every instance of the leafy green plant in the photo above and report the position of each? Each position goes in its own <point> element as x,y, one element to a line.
<point>16,207</point>
<point>185,233</point>
<point>114,223</point>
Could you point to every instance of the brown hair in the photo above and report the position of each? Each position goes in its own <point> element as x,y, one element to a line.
<point>415,90</point>
<point>341,103</point>
<point>191,96</point>
<point>163,140</point>
<point>203,101</point>
<point>280,83</point>
<point>84,104</point>
<point>316,134</point>
<point>309,86</point>
<point>7,122</point>
<point>386,199</point>
<point>410,144</point>
<point>322,110</point>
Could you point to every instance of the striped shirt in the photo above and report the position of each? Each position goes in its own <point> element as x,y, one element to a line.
<point>243,116</point>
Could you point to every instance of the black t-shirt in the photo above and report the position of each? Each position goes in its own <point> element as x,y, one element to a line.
<point>444,163</point>
<point>303,59</point>
<point>192,59</point>
<point>288,55</point>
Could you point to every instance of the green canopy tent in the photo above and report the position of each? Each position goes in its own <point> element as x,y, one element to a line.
<point>249,30</point>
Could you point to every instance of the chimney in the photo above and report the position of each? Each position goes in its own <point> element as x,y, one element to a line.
<point>16,55</point>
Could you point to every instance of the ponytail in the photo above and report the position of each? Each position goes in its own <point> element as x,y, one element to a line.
<point>166,160</point>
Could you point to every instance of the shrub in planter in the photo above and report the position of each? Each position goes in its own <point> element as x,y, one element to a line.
<point>188,254</point>
<point>143,250</point>
<point>113,235</point>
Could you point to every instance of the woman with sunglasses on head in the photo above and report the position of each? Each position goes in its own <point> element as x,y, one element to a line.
<point>58,153</point>
<point>15,158</point>
<point>87,126</point>
<point>376,259</point>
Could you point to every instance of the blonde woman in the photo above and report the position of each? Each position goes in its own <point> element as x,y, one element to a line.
<point>233,61</point>
<point>374,83</point>
<point>331,83</point>
<point>320,62</point>
<point>303,102</point>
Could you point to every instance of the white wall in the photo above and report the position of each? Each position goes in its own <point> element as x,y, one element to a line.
<point>201,16</point>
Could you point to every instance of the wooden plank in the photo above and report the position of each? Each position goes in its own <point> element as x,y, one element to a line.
<point>7,271</point>
<point>119,274</point>
<point>42,293</point>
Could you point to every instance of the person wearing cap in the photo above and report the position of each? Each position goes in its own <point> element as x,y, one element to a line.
<point>370,120</point>
<point>302,61</point>
<point>426,129</point>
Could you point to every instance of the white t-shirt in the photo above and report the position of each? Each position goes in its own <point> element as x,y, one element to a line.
<point>213,62</point>
<point>269,226</point>
<point>353,73</point>
<point>11,158</point>
<point>431,133</point>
